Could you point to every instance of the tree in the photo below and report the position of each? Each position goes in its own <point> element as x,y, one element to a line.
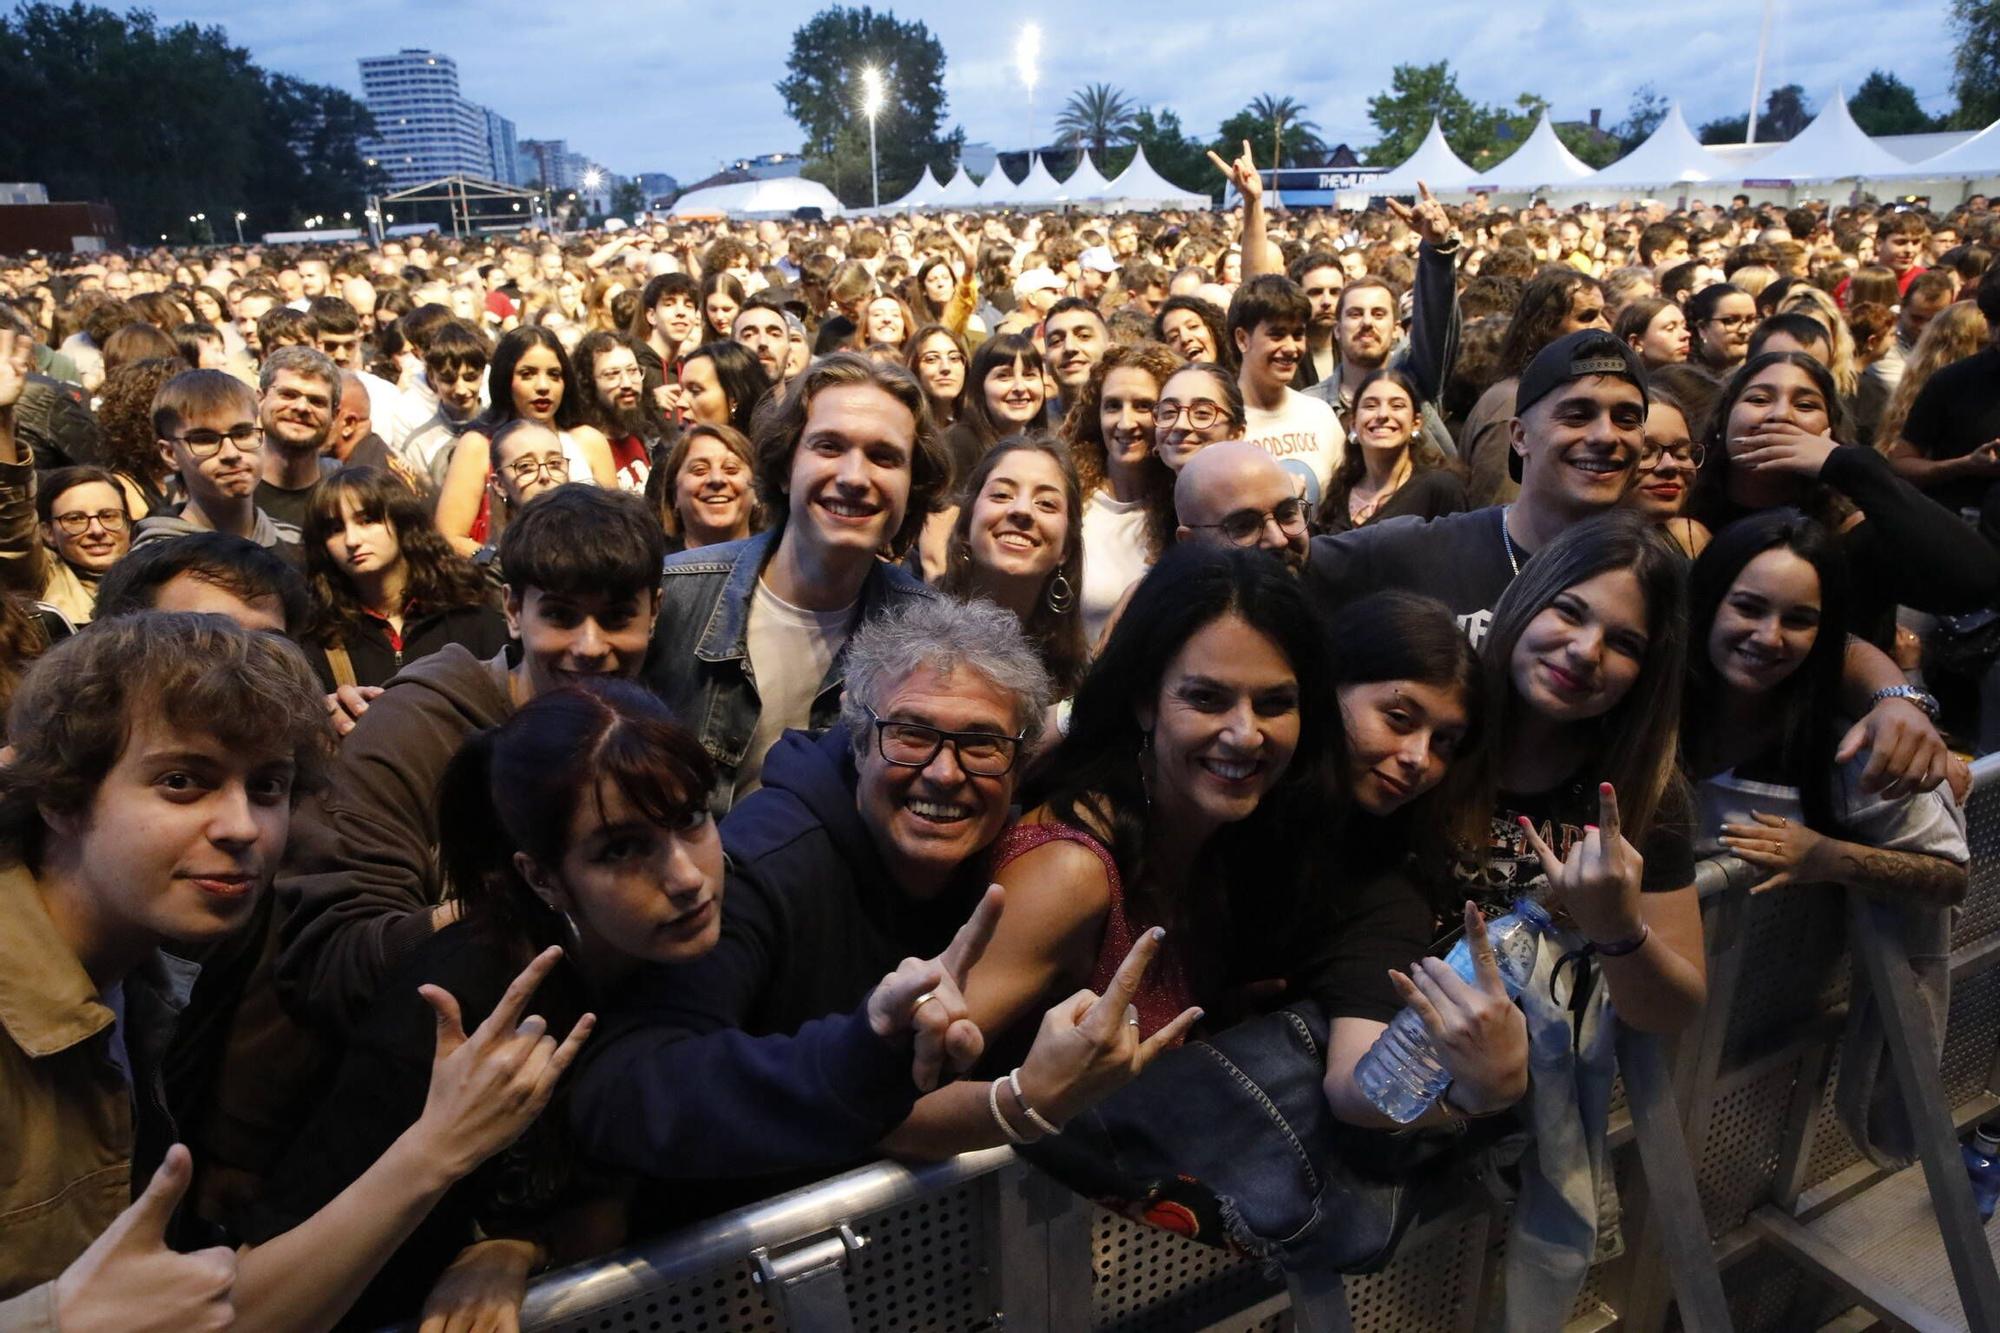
<point>1096,117</point>
<point>1647,110</point>
<point>1177,156</point>
<point>1419,94</point>
<point>628,200</point>
<point>822,93</point>
<point>1976,66</point>
<point>1884,104</point>
<point>1293,137</point>
<point>1786,112</point>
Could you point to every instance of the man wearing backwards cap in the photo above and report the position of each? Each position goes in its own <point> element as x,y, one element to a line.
<point>1579,424</point>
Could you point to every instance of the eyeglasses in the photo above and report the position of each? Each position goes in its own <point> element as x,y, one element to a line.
<point>207,443</point>
<point>525,470</point>
<point>620,376</point>
<point>1200,414</point>
<point>983,754</point>
<point>1732,321</point>
<point>1243,527</point>
<point>78,521</point>
<point>1689,453</point>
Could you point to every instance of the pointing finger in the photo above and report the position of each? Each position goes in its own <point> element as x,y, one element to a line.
<point>1110,1007</point>
<point>969,944</point>
<point>1552,865</point>
<point>507,1014</point>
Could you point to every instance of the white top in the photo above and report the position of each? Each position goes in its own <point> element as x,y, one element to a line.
<point>791,650</point>
<point>1114,557</point>
<point>1304,436</point>
<point>1930,822</point>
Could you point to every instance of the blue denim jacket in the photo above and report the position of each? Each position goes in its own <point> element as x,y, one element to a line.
<point>699,659</point>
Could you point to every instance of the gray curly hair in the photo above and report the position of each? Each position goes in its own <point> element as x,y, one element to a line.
<point>944,634</point>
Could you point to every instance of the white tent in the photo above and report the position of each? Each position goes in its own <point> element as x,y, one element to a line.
<point>1433,163</point>
<point>1038,189</point>
<point>776,198</point>
<point>1140,188</point>
<point>1832,148</point>
<point>958,191</point>
<point>1975,159</point>
<point>995,189</point>
<point>1085,184</point>
<point>1540,162</point>
<point>922,195</point>
<point>1670,155</point>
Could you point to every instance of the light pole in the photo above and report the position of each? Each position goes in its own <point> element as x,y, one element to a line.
<point>871,102</point>
<point>1026,53</point>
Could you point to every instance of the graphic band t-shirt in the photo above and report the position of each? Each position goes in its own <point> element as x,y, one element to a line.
<point>1460,559</point>
<point>1304,436</point>
<point>1560,817</point>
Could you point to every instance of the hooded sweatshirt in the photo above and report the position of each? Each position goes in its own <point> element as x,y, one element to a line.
<point>361,872</point>
<point>730,1066</point>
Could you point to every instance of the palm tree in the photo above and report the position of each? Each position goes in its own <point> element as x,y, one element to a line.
<point>1292,135</point>
<point>1097,116</point>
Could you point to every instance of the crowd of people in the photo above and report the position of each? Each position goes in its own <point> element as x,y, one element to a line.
<point>515,743</point>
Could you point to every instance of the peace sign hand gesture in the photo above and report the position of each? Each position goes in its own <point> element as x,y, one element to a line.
<point>927,997</point>
<point>1599,883</point>
<point>1428,218</point>
<point>1242,174</point>
<point>1089,1045</point>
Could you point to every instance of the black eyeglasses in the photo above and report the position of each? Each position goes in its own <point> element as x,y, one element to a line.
<point>208,443</point>
<point>1200,414</point>
<point>983,754</point>
<point>78,521</point>
<point>1243,527</point>
<point>1688,453</point>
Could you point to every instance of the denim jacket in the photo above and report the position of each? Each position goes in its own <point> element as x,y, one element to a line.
<point>699,659</point>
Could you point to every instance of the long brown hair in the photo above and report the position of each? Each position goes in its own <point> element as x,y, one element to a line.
<point>1083,432</point>
<point>436,576</point>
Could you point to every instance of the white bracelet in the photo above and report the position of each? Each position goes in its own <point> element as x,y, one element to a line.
<point>1035,1118</point>
<point>993,1104</point>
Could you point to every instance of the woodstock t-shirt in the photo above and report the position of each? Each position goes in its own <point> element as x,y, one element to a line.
<point>1304,436</point>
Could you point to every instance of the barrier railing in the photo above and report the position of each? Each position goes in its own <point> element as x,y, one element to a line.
<point>1731,1183</point>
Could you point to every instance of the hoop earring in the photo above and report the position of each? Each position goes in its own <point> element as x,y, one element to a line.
<point>1061,597</point>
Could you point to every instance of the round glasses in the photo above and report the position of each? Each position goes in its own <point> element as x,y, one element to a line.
<point>1245,526</point>
<point>78,521</point>
<point>1200,414</point>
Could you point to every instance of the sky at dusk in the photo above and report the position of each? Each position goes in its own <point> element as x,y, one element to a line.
<point>678,87</point>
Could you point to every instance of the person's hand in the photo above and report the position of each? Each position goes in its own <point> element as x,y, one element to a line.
<point>1781,446</point>
<point>347,703</point>
<point>1480,1035</point>
<point>1242,174</point>
<point>926,997</point>
<point>128,1281</point>
<point>1427,218</point>
<point>488,1087</point>
<point>17,362</point>
<point>1982,462</point>
<point>1088,1046</point>
<point>964,243</point>
<point>1599,884</point>
<point>1790,851</point>
<point>482,1290</point>
<point>1906,755</point>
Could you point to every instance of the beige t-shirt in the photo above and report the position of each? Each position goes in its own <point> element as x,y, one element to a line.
<point>791,649</point>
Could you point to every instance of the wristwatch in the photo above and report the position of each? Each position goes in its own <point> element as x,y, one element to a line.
<point>1927,702</point>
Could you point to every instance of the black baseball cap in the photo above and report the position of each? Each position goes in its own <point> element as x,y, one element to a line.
<point>1574,356</point>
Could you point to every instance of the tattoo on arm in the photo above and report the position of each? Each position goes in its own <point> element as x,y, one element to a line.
<point>1901,876</point>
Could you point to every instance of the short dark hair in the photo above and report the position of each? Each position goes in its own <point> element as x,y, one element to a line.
<point>282,324</point>
<point>196,391</point>
<point>1794,324</point>
<point>1070,303</point>
<point>331,314</point>
<point>583,541</point>
<point>454,345</point>
<point>50,488</point>
<point>1267,298</point>
<point>234,564</point>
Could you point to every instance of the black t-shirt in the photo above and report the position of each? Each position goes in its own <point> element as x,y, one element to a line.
<point>1429,494</point>
<point>285,506</point>
<point>1955,412</point>
<point>833,335</point>
<point>1460,559</point>
<point>1559,817</point>
<point>1380,921</point>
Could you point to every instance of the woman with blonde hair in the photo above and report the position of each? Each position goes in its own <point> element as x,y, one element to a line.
<point>1955,334</point>
<point>1809,300</point>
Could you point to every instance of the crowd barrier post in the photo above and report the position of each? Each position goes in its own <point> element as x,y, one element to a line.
<point>1673,1207</point>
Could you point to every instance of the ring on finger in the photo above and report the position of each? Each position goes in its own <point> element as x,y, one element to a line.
<point>923,1000</point>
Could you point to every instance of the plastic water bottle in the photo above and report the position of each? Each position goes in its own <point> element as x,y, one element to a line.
<point>1982,1163</point>
<point>1400,1074</point>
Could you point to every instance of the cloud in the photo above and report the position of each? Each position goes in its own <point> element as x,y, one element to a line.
<point>684,86</point>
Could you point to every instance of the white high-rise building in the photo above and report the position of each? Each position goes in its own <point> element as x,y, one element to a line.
<point>424,128</point>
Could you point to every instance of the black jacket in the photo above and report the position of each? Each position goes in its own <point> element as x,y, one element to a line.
<point>480,630</point>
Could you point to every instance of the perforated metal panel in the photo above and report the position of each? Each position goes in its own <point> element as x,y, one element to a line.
<point>1982,903</point>
<point>1795,944</point>
<point>1423,1290</point>
<point>1769,1295</point>
<point>1151,1281</point>
<point>1969,1035</point>
<point>1832,1150</point>
<point>725,1301</point>
<point>1736,1166</point>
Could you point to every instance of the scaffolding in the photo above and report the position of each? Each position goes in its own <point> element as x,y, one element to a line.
<point>475,205</point>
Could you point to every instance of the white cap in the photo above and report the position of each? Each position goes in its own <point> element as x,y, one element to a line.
<point>1039,278</point>
<point>1099,259</point>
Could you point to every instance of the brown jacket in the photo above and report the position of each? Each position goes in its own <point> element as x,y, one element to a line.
<point>26,564</point>
<point>68,1135</point>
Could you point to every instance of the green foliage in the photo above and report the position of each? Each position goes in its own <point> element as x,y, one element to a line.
<point>164,122</point>
<point>1644,115</point>
<point>1418,94</point>
<point>1096,117</point>
<point>1598,150</point>
<point>627,199</point>
<point>822,93</point>
<point>1884,104</point>
<point>1178,157</point>
<point>1786,112</point>
<point>1976,64</point>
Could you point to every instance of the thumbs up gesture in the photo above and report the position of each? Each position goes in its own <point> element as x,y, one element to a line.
<point>128,1281</point>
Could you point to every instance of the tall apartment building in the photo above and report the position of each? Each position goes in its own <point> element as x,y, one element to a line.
<point>424,128</point>
<point>503,153</point>
<point>550,162</point>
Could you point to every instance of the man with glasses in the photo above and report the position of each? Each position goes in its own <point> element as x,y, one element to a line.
<point>206,423</point>
<point>865,846</point>
<point>607,365</point>
<point>1236,494</point>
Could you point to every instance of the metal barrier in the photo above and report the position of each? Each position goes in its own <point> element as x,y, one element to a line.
<point>1751,1165</point>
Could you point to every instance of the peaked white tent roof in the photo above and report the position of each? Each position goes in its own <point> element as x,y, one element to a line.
<point>922,195</point>
<point>1976,157</point>
<point>959,190</point>
<point>1671,154</point>
<point>1540,160</point>
<point>1037,188</point>
<point>995,188</point>
<point>1832,148</point>
<point>778,197</point>
<point>1141,187</point>
<point>1085,183</point>
<point>1433,163</point>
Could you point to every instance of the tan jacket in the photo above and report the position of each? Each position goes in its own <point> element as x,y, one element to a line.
<point>66,1109</point>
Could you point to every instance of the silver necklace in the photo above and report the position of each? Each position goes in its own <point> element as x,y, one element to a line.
<point>1513,561</point>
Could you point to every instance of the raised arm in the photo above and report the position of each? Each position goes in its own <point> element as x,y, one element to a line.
<point>1434,298</point>
<point>23,558</point>
<point>1243,174</point>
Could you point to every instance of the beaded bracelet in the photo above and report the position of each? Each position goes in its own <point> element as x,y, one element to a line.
<point>1035,1118</point>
